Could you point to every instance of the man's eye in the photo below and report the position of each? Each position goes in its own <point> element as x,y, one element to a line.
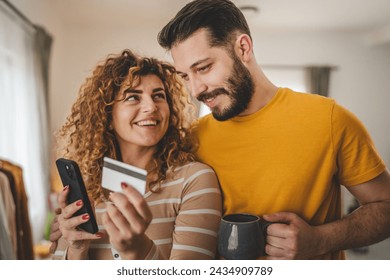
<point>204,68</point>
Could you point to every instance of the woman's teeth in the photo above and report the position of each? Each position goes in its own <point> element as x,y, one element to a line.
<point>147,123</point>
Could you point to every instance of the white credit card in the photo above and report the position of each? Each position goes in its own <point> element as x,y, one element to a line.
<point>115,172</point>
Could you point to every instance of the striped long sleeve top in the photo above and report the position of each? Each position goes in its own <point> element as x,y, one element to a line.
<point>186,216</point>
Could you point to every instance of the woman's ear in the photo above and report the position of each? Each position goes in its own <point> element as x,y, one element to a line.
<point>244,47</point>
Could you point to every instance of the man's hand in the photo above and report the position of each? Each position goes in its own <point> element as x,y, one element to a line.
<point>291,237</point>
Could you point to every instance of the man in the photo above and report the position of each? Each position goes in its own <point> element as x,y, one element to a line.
<point>277,153</point>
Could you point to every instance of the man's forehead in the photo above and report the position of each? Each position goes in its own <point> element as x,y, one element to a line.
<point>190,50</point>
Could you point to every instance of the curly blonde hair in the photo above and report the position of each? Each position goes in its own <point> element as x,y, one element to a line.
<point>87,136</point>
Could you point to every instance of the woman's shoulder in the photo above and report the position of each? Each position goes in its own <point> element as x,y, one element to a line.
<point>193,167</point>
<point>196,175</point>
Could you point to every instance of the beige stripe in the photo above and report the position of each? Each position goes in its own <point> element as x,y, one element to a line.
<point>197,174</point>
<point>163,220</point>
<point>193,249</point>
<point>162,241</point>
<point>146,195</point>
<point>164,201</point>
<point>196,229</point>
<point>181,167</point>
<point>201,211</point>
<point>173,183</point>
<point>204,191</point>
<point>176,182</point>
<point>100,210</point>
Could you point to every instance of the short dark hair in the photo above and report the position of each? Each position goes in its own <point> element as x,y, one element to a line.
<point>220,17</point>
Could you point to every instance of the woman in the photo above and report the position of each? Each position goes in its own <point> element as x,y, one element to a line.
<point>134,109</point>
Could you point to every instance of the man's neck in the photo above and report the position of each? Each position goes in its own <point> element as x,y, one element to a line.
<point>264,92</point>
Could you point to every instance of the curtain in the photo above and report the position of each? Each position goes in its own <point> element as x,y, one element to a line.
<point>318,78</point>
<point>24,127</point>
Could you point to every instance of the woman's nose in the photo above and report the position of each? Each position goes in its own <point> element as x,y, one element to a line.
<point>148,105</point>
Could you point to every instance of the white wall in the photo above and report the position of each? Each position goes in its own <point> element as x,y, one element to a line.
<point>88,45</point>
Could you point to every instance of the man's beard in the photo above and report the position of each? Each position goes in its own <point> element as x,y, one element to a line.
<point>240,89</point>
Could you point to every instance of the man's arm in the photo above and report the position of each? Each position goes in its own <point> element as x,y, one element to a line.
<point>369,224</point>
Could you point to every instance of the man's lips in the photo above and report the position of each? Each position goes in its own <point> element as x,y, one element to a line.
<point>210,101</point>
<point>208,97</point>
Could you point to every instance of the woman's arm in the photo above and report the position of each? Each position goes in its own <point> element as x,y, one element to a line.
<point>197,223</point>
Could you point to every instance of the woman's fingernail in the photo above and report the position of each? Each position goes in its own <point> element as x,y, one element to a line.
<point>79,202</point>
<point>65,188</point>
<point>99,234</point>
<point>85,217</point>
<point>123,185</point>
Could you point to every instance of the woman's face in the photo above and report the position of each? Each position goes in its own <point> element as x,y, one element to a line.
<point>142,118</point>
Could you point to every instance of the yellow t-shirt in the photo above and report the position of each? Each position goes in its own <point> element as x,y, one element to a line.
<point>292,155</point>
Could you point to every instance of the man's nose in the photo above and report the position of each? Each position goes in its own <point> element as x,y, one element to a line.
<point>197,86</point>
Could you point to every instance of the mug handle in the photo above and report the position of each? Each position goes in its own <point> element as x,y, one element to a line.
<point>264,226</point>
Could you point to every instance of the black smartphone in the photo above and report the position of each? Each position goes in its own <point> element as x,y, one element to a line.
<point>71,176</point>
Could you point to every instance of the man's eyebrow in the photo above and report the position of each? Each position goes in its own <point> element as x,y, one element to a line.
<point>199,62</point>
<point>195,64</point>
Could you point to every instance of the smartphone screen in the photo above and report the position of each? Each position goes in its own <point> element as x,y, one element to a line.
<point>71,176</point>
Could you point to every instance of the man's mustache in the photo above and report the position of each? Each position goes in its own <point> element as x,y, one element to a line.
<point>208,95</point>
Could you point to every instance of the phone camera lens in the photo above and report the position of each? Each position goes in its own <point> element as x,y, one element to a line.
<point>69,171</point>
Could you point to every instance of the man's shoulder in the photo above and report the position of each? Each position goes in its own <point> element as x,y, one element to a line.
<point>205,119</point>
<point>305,103</point>
<point>307,97</point>
<point>202,123</point>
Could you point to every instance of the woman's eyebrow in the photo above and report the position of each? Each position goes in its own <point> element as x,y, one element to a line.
<point>158,89</point>
<point>132,90</point>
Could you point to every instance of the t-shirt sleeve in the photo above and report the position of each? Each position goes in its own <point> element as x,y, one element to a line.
<point>357,158</point>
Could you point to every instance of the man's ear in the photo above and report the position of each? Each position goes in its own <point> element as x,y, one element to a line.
<point>243,47</point>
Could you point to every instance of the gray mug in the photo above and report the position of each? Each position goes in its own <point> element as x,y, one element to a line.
<point>242,237</point>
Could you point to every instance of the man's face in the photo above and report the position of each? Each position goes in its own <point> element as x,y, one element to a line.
<point>213,75</point>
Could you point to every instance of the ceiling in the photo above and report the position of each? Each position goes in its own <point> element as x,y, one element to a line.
<point>369,16</point>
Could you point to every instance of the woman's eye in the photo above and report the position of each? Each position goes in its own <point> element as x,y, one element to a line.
<point>159,96</point>
<point>132,98</point>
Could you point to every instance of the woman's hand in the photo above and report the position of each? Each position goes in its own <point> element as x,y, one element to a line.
<point>78,240</point>
<point>126,221</point>
<point>55,232</point>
